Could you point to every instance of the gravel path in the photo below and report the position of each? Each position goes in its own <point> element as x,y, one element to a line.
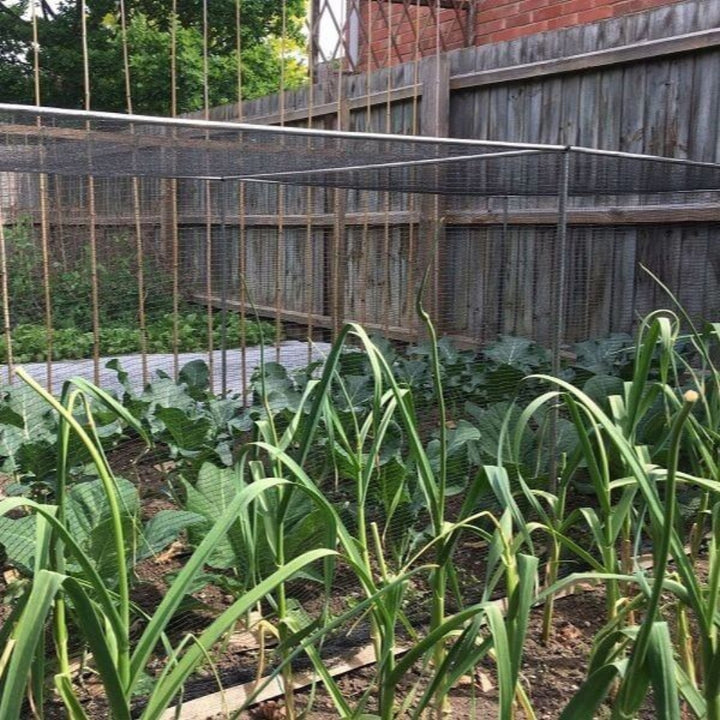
<point>293,355</point>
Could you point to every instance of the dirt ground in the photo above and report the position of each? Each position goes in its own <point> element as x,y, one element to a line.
<point>551,672</point>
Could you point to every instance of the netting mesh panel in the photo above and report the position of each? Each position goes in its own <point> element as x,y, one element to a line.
<point>218,298</point>
<point>64,144</point>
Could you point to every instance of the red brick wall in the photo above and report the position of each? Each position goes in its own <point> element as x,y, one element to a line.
<point>398,32</point>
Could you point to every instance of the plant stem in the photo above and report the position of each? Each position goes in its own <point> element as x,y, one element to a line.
<point>551,573</point>
<point>438,578</point>
<point>685,643</point>
<point>98,459</point>
<point>627,699</point>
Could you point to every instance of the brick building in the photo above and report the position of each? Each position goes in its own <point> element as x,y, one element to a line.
<point>380,33</point>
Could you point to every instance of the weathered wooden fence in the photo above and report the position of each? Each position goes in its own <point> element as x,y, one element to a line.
<point>644,83</point>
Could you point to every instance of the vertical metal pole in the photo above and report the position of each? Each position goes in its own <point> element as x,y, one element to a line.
<point>279,269</point>
<point>308,293</point>
<point>561,261</point>
<point>560,265</point>
<point>209,285</point>
<point>242,272</point>
<point>499,320</point>
<point>173,190</point>
<point>209,244</point>
<point>241,215</point>
<point>280,245</point>
<point>224,270</point>
<point>7,327</point>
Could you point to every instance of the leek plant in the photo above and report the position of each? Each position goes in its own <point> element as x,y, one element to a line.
<point>651,655</point>
<point>101,616</point>
<point>611,524</point>
<point>455,642</point>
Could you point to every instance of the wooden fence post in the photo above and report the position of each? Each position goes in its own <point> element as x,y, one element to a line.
<point>434,122</point>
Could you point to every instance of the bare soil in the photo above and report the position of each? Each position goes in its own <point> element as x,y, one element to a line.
<point>551,672</point>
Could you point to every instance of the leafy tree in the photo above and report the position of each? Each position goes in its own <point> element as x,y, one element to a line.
<point>149,26</point>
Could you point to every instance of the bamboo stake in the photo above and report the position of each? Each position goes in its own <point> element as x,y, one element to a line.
<point>436,289</point>
<point>209,280</point>
<point>47,287</point>
<point>7,330</point>
<point>175,270</point>
<point>95,294</point>
<point>175,239</point>
<point>279,267</point>
<point>410,287</point>
<point>208,204</point>
<point>309,272</point>
<point>243,296</point>
<point>44,223</point>
<point>280,240</point>
<point>367,194</point>
<point>242,240</point>
<point>339,224</point>
<point>136,205</point>
<point>385,297</point>
<point>309,195</point>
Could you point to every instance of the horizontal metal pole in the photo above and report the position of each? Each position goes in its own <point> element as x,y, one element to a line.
<point>89,115</point>
<point>387,166</point>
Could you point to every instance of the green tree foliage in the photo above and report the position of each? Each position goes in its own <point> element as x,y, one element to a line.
<point>265,38</point>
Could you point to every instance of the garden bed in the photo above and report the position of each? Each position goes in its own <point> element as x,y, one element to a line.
<point>380,503</point>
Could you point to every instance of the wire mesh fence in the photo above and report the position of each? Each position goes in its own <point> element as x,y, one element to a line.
<point>201,271</point>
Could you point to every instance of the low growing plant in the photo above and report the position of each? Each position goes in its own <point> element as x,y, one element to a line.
<point>102,612</point>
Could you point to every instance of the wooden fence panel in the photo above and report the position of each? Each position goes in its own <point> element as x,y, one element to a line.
<point>642,83</point>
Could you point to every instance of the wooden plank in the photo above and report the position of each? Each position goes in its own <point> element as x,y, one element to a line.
<point>330,108</point>
<point>622,313</point>
<point>434,121</point>
<point>543,313</point>
<point>704,140</point>
<point>490,301</point>
<point>636,52</point>
<point>610,110</point>
<point>550,126</point>
<point>570,110</point>
<point>510,287</point>
<point>319,319</point>
<point>678,123</point>
<point>671,258</point>
<point>657,79</point>
<point>588,130</point>
<point>293,286</point>
<point>354,273</point>
<point>575,320</point>
<point>649,255</point>
<point>524,321</point>
<point>695,272</point>
<point>236,697</point>
<point>613,215</point>
<point>711,310</point>
<point>607,215</point>
<point>460,267</point>
<point>600,285</point>
<point>632,126</point>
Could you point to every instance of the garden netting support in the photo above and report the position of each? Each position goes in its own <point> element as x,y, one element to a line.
<point>227,257</point>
